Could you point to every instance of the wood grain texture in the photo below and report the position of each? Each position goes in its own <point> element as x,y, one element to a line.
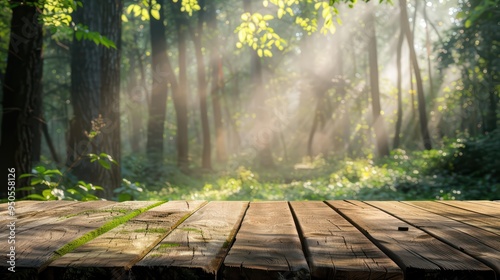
<point>36,246</point>
<point>197,247</point>
<point>267,245</point>
<point>420,255</point>
<point>53,211</point>
<point>335,249</point>
<point>480,244</point>
<point>490,208</point>
<point>112,254</point>
<point>476,219</point>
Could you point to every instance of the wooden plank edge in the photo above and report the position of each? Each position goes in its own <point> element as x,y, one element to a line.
<point>115,272</point>
<point>68,247</point>
<point>444,240</point>
<point>409,272</point>
<point>192,272</point>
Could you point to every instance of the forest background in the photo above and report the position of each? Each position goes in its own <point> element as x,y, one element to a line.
<point>250,100</point>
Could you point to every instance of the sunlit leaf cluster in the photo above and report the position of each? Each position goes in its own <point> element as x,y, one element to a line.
<point>254,31</point>
<point>58,12</point>
<point>189,6</point>
<point>143,10</point>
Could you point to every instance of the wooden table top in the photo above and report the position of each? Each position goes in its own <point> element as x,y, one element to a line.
<point>251,240</point>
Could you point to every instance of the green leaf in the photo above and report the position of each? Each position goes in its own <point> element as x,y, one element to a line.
<point>155,14</point>
<point>468,23</point>
<point>53,171</point>
<point>34,197</point>
<point>25,189</point>
<point>26,175</point>
<point>124,197</point>
<point>47,194</point>
<point>104,164</point>
<point>40,169</point>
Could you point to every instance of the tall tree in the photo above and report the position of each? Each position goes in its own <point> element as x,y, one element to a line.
<point>21,90</point>
<point>206,160</point>
<point>422,112</point>
<point>180,92</point>
<point>399,120</point>
<point>378,120</point>
<point>161,74</point>
<point>111,11</point>
<point>85,95</point>
<point>216,90</point>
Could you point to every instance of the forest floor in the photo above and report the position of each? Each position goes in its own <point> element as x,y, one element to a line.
<point>461,169</point>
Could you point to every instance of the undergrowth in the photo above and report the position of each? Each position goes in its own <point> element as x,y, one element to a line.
<point>461,169</point>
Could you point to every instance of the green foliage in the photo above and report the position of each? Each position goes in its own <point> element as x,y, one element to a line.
<point>129,191</point>
<point>461,169</point>
<point>51,184</point>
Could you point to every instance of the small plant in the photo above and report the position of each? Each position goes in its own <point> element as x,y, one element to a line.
<point>129,191</point>
<point>50,184</point>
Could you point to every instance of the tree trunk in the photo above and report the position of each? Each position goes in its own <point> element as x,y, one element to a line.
<point>378,121</point>
<point>21,93</point>
<point>157,106</point>
<point>85,96</point>
<point>206,160</point>
<point>420,89</point>
<point>217,84</point>
<point>263,142</point>
<point>110,94</point>
<point>180,96</point>
<point>399,120</point>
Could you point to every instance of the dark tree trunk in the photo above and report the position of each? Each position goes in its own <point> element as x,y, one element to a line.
<point>180,97</point>
<point>491,118</point>
<point>420,89</point>
<point>110,94</point>
<point>135,95</point>
<point>21,93</point>
<point>206,160</point>
<point>85,96</point>
<point>399,120</point>
<point>157,106</point>
<point>378,121</point>
<point>217,84</point>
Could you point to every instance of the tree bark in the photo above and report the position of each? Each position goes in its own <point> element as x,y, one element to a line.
<point>21,93</point>
<point>157,106</point>
<point>110,144</point>
<point>217,84</point>
<point>399,120</point>
<point>378,121</point>
<point>85,96</point>
<point>180,96</point>
<point>420,89</point>
<point>206,159</point>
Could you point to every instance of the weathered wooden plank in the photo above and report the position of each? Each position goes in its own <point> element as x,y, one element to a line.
<point>27,208</point>
<point>486,222</point>
<point>38,246</point>
<point>480,244</point>
<point>420,255</point>
<point>267,245</point>
<point>111,254</point>
<point>484,207</point>
<point>54,213</point>
<point>197,247</point>
<point>335,249</point>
